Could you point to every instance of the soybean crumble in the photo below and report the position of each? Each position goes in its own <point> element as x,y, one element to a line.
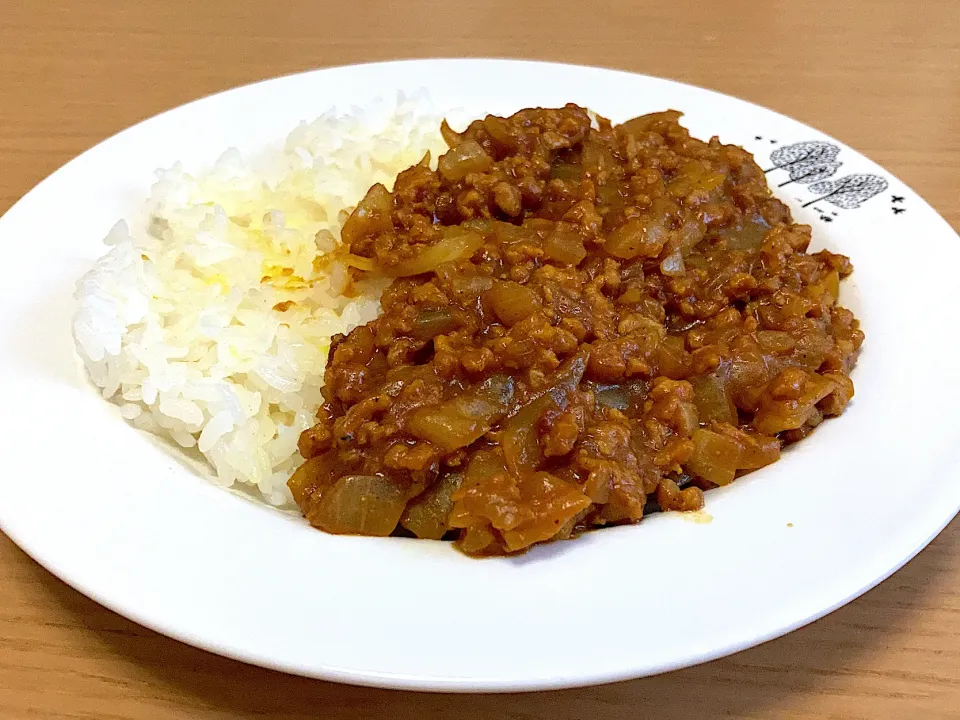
<point>587,322</point>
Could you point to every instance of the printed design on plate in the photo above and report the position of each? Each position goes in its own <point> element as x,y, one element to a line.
<point>814,163</point>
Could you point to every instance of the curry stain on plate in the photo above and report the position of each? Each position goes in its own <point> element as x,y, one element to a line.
<point>700,517</point>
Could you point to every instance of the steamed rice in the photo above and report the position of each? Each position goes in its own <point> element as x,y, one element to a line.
<point>209,320</point>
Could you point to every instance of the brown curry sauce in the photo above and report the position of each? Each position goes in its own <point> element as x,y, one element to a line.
<point>586,320</point>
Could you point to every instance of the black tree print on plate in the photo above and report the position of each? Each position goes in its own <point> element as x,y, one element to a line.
<point>811,163</point>
<point>810,172</point>
<point>806,162</point>
<point>850,191</point>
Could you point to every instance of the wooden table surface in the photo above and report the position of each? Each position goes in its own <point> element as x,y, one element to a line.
<point>881,75</point>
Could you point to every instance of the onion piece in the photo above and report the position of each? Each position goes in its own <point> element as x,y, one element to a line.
<point>637,238</point>
<point>556,501</point>
<point>652,121</point>
<point>693,177</point>
<point>463,418</point>
<point>827,290</point>
<point>564,245</point>
<point>476,539</point>
<point>672,358</point>
<point>471,285</point>
<point>568,376</point>
<point>758,451</point>
<point>565,171</point>
<point>457,244</point>
<point>426,515</point>
<point>596,156</point>
<point>373,214</point>
<point>450,136</point>
<point>306,479</point>
<point>511,301</point>
<point>610,195</point>
<point>357,261</point>
<point>812,349</point>
<point>747,235</point>
<point>502,132</point>
<point>775,415</point>
<point>776,342</point>
<point>518,438</point>
<point>508,233</point>
<point>691,233</point>
<point>613,396</point>
<point>359,505</point>
<point>480,225</point>
<point>462,159</point>
<point>484,465</point>
<point>713,403</point>
<point>521,448</point>
<point>431,322</point>
<point>715,457</point>
<point>672,264</point>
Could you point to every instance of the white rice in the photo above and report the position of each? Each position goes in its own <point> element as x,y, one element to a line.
<point>177,323</point>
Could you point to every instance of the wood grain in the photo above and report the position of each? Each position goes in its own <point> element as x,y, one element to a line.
<point>882,76</point>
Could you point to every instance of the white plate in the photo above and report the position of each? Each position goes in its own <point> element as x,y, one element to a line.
<point>118,518</point>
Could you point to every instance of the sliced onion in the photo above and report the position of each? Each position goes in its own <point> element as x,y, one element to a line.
<point>691,233</point>
<point>463,418</point>
<point>426,515</point>
<point>471,285</point>
<point>359,505</point>
<point>693,177</point>
<point>518,438</point>
<point>372,215</point>
<point>811,350</point>
<point>564,245</point>
<point>776,341</point>
<point>521,448</point>
<point>476,539</point>
<point>775,416</point>
<point>431,322</point>
<point>357,261</point>
<point>480,225</point>
<point>462,159</point>
<point>747,235</point>
<point>568,376</point>
<point>556,501</point>
<point>596,156</point>
<point>610,195</point>
<point>484,465</point>
<point>501,132</point>
<point>672,358</point>
<point>314,473</point>
<point>713,403</point>
<point>508,233</point>
<point>746,377</point>
<point>457,244</point>
<point>646,123</point>
<point>512,302</point>
<point>636,238</point>
<point>759,452</point>
<point>565,171</point>
<point>672,264</point>
<point>715,457</point>
<point>450,136</point>
<point>827,290</point>
<point>613,396</point>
